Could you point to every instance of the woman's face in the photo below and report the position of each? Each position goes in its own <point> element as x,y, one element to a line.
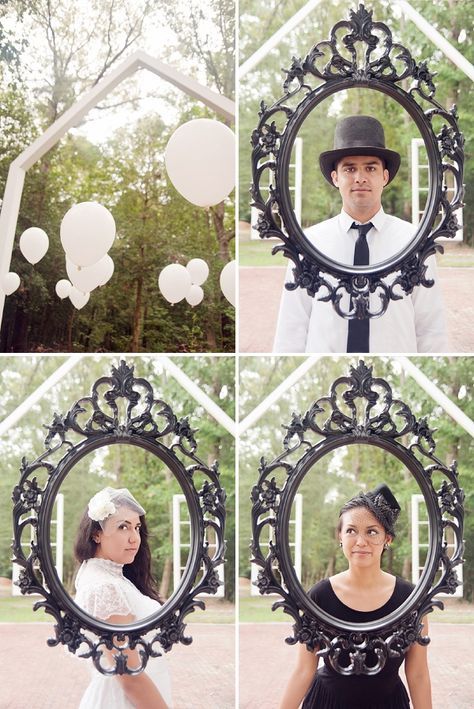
<point>119,541</point>
<point>362,537</point>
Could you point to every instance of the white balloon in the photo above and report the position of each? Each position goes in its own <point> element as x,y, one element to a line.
<point>174,282</point>
<point>10,282</point>
<point>227,281</point>
<point>63,288</point>
<point>87,233</point>
<point>195,295</point>
<point>107,269</point>
<point>90,277</point>
<point>200,161</point>
<point>77,298</point>
<point>198,270</point>
<point>34,244</point>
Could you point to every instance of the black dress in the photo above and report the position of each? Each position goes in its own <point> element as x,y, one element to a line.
<point>331,690</point>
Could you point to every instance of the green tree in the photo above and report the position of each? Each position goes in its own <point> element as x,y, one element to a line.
<point>155,225</point>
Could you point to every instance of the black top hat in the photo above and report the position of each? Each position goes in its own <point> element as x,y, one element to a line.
<point>358,135</point>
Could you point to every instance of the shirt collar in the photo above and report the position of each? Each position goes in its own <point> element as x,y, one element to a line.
<point>345,220</point>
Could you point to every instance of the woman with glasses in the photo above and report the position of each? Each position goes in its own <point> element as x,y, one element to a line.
<point>360,594</point>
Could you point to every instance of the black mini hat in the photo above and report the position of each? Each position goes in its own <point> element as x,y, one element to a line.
<point>358,135</point>
<point>384,506</point>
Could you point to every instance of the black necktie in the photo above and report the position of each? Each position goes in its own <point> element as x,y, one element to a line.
<point>358,335</point>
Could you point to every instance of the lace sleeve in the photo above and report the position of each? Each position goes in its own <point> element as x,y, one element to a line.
<point>103,600</point>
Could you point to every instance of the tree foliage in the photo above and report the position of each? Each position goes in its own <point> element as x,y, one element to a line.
<point>125,172</point>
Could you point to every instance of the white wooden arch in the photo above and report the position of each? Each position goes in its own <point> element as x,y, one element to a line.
<point>411,369</point>
<point>19,167</point>
<point>428,30</point>
<point>171,367</point>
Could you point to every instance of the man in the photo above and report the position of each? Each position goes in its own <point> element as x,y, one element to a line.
<point>360,166</point>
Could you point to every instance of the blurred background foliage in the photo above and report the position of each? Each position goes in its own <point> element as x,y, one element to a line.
<point>51,53</point>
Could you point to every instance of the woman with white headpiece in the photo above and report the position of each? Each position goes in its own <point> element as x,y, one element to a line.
<point>115,584</point>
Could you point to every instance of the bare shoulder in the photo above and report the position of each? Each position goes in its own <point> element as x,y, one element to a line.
<point>339,580</point>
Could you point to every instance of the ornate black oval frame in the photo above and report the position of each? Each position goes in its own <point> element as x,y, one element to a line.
<point>359,409</point>
<point>121,409</point>
<point>364,56</point>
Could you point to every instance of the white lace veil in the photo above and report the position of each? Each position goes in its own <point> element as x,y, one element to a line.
<point>108,501</point>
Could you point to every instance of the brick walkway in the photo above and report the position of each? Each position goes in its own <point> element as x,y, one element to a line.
<point>260,290</point>
<point>266,662</point>
<point>33,676</point>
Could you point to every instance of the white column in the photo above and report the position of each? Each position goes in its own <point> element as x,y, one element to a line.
<point>415,537</point>
<point>298,178</point>
<point>59,521</point>
<point>8,219</point>
<point>177,500</point>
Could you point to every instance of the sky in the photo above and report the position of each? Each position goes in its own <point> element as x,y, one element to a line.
<point>156,95</point>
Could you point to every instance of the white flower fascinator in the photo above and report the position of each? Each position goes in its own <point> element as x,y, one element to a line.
<point>101,506</point>
<point>107,502</point>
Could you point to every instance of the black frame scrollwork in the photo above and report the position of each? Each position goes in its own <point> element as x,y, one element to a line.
<point>381,66</point>
<point>360,409</point>
<point>121,409</point>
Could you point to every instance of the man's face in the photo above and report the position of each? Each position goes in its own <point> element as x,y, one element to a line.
<point>360,180</point>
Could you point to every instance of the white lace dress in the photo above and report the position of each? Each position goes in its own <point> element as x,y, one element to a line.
<point>102,590</point>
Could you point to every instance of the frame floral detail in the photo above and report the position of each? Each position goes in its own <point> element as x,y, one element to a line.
<point>359,53</point>
<point>98,420</point>
<point>360,408</point>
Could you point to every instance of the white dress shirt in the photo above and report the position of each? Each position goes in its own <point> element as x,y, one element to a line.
<point>415,323</point>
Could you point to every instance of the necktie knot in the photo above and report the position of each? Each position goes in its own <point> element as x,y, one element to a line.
<point>362,228</point>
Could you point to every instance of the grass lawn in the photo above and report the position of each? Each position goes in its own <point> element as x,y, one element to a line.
<point>456,255</point>
<point>253,609</point>
<point>19,609</point>
<point>259,253</point>
<point>257,609</point>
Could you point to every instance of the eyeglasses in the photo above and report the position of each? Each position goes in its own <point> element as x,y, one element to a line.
<point>372,536</point>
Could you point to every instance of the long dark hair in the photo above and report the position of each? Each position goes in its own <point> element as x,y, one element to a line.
<point>138,572</point>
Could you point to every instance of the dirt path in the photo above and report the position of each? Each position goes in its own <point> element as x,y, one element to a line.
<point>33,676</point>
<point>260,290</point>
